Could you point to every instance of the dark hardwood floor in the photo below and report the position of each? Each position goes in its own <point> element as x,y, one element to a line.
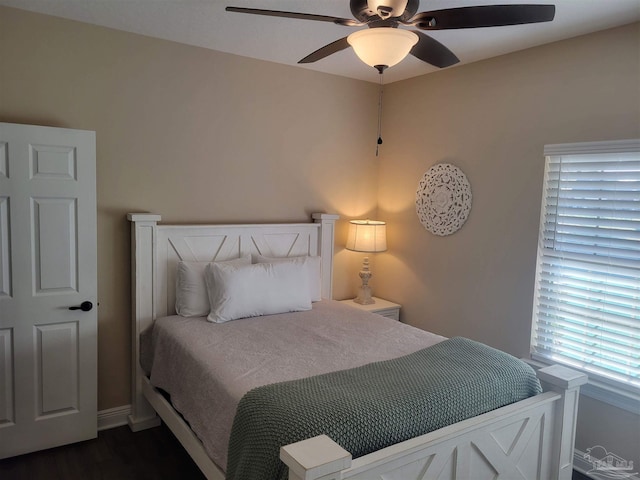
<point>579,476</point>
<point>117,454</point>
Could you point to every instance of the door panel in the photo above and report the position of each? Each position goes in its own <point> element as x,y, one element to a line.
<point>57,369</point>
<point>4,161</point>
<point>5,259</point>
<point>55,255</point>
<point>49,161</point>
<point>48,372</point>
<point>6,378</point>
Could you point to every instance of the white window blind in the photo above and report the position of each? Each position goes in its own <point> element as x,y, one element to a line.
<point>586,311</point>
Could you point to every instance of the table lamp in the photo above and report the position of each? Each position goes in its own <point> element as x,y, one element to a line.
<point>368,236</point>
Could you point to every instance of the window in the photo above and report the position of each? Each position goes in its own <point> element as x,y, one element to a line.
<point>586,311</point>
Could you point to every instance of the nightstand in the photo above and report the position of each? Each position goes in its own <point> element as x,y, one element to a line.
<point>381,307</point>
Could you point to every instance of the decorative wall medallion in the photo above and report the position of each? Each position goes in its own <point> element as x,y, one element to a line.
<point>443,199</point>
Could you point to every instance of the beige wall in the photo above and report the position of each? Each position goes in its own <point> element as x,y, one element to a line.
<point>492,119</point>
<point>192,134</point>
<point>198,135</point>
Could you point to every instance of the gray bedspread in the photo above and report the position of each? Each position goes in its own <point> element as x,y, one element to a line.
<point>370,407</point>
<point>207,367</point>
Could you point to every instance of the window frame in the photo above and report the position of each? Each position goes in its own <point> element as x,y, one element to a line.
<point>604,389</point>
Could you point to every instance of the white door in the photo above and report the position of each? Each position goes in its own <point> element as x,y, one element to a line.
<point>48,384</point>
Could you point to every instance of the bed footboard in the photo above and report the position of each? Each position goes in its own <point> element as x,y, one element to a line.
<point>531,439</point>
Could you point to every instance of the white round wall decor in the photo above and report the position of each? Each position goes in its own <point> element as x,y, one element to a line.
<point>443,199</point>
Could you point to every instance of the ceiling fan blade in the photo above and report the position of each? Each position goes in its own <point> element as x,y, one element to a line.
<point>325,51</point>
<point>483,16</point>
<point>432,51</point>
<point>301,16</point>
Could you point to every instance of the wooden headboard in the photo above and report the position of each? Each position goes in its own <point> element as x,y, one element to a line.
<point>156,250</point>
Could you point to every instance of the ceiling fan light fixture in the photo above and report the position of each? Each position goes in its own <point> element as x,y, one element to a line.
<point>383,45</point>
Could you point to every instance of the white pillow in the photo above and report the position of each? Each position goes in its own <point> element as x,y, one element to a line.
<point>311,264</point>
<point>192,299</point>
<point>239,291</point>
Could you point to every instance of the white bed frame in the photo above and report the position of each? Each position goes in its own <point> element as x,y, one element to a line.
<point>530,439</point>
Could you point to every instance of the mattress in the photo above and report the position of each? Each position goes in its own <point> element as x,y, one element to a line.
<point>207,368</point>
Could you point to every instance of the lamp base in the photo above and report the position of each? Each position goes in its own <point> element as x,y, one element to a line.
<point>364,296</point>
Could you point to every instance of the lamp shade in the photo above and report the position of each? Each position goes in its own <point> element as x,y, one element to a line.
<point>384,46</point>
<point>367,236</point>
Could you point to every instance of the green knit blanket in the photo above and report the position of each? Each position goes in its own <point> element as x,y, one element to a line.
<point>371,407</point>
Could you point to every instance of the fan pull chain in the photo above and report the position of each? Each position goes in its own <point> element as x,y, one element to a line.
<point>380,70</point>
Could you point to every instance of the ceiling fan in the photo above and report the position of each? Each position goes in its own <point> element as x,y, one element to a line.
<point>383,17</point>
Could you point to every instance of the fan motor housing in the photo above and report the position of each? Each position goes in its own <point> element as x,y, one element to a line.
<point>363,11</point>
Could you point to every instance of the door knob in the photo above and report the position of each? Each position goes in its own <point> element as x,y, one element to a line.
<point>84,306</point>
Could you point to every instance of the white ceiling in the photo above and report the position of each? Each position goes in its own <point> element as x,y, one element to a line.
<point>206,24</point>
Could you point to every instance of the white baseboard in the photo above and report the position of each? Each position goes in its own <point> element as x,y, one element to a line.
<point>113,417</point>
<point>583,466</point>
